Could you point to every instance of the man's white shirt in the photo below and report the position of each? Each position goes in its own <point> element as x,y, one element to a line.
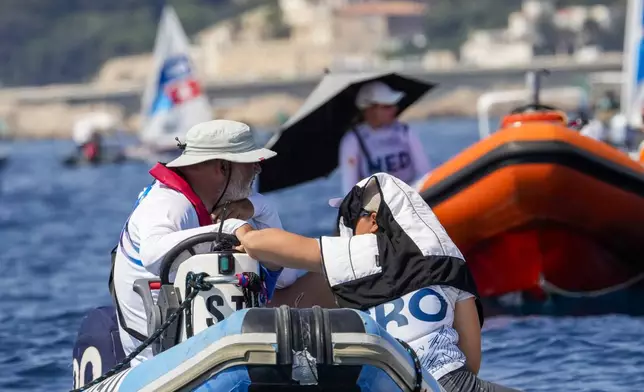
<point>162,219</point>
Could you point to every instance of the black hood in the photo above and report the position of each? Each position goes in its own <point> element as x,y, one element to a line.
<point>414,250</point>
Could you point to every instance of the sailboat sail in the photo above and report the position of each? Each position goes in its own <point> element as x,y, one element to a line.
<point>173,100</point>
<point>633,63</point>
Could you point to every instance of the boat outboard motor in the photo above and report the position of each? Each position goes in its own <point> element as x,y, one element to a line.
<point>97,347</point>
<point>230,273</point>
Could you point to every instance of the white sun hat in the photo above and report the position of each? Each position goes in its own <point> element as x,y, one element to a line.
<point>220,139</point>
<point>377,93</point>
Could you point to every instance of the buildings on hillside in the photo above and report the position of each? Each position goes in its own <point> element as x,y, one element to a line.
<point>321,34</point>
<point>524,36</point>
<point>315,35</point>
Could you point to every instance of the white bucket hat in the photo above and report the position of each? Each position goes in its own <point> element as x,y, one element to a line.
<point>220,139</point>
<point>377,93</point>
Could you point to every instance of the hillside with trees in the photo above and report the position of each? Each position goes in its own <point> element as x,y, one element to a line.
<point>67,41</point>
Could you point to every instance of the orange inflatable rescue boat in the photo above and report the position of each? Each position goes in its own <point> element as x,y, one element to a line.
<point>544,213</point>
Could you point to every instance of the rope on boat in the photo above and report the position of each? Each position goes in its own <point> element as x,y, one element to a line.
<point>553,289</point>
<point>253,288</point>
<point>418,369</point>
<point>196,281</point>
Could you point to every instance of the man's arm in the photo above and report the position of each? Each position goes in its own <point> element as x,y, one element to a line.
<point>257,210</point>
<point>281,248</point>
<point>341,259</point>
<point>265,216</point>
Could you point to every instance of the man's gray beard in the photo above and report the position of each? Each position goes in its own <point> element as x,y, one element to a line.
<point>237,189</point>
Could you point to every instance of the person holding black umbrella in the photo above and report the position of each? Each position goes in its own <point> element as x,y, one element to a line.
<point>308,144</point>
<point>380,143</point>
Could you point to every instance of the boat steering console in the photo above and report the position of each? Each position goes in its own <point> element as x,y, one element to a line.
<point>220,243</point>
<point>221,263</point>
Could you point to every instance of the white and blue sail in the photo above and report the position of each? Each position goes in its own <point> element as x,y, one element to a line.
<point>632,99</point>
<point>173,100</point>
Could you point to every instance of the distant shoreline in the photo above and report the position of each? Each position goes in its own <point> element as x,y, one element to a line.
<point>265,111</point>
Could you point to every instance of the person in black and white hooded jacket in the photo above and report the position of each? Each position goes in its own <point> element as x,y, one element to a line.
<point>394,260</point>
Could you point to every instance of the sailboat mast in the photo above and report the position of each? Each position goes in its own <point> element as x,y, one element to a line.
<point>632,68</point>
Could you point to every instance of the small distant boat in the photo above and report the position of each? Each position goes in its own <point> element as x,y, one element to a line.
<point>89,135</point>
<point>174,99</point>
<point>77,160</point>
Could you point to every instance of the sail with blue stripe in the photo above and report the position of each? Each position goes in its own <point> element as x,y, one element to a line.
<point>174,99</point>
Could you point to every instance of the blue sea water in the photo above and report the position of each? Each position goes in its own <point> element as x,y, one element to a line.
<point>58,225</point>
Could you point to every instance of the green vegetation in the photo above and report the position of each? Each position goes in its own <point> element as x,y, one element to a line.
<point>67,41</point>
<point>54,41</point>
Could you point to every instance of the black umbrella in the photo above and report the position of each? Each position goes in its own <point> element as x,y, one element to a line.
<point>307,147</point>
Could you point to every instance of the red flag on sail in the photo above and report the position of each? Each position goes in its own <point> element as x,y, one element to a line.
<point>184,90</point>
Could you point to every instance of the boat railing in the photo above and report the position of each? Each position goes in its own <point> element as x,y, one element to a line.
<point>489,100</point>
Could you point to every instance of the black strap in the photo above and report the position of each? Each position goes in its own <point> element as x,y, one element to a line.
<point>188,311</point>
<point>372,168</point>
<point>110,281</point>
<point>135,334</point>
<point>418,369</point>
<point>405,131</point>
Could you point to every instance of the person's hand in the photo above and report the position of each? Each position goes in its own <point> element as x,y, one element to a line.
<point>240,209</point>
<point>240,233</point>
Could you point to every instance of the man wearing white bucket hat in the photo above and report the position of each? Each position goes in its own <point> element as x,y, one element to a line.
<point>218,165</point>
<point>380,143</point>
